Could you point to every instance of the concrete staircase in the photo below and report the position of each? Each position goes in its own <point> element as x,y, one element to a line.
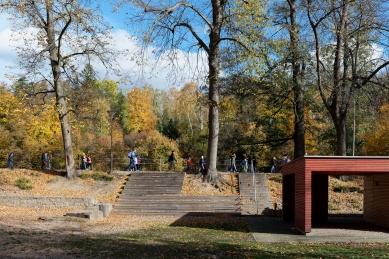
<point>254,203</point>
<point>160,194</point>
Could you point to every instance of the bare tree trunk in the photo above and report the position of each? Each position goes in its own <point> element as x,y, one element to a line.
<point>213,61</point>
<point>299,124</point>
<point>340,125</point>
<point>55,63</point>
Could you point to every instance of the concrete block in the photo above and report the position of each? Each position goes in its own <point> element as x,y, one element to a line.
<point>92,215</point>
<point>105,208</point>
<point>92,207</point>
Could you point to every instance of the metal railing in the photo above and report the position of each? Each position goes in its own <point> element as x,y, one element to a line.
<point>255,187</point>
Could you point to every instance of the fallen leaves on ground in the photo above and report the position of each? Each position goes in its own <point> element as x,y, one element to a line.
<point>194,186</point>
<point>48,183</point>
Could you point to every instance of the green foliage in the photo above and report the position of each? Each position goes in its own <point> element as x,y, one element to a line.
<point>276,178</point>
<point>332,207</point>
<point>347,188</point>
<point>156,147</point>
<point>24,184</point>
<point>96,176</point>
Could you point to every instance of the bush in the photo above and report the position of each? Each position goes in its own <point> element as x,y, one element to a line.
<point>276,178</point>
<point>347,188</point>
<point>24,184</point>
<point>332,207</point>
<point>97,177</point>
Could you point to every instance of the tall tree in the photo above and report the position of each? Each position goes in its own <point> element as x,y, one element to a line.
<point>346,34</point>
<point>63,33</point>
<point>181,25</point>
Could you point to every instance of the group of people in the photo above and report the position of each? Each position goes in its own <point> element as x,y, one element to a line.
<point>247,164</point>
<point>135,160</point>
<point>201,164</point>
<point>86,162</point>
<point>277,167</point>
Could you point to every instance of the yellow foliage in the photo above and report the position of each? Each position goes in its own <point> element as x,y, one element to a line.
<point>142,117</point>
<point>377,142</point>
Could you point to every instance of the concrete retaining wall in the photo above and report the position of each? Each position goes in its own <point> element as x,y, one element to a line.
<point>47,201</point>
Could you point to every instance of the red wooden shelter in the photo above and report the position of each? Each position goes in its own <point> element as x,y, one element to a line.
<point>305,188</point>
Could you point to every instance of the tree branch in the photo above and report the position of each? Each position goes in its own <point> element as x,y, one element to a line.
<point>169,10</point>
<point>201,42</point>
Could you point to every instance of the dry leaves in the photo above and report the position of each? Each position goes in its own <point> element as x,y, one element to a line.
<point>46,183</point>
<point>194,186</point>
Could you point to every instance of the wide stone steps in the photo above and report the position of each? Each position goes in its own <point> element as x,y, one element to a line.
<point>177,205</point>
<point>153,184</point>
<point>254,193</point>
<point>160,194</point>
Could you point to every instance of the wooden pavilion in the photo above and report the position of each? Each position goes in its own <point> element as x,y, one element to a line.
<point>305,188</point>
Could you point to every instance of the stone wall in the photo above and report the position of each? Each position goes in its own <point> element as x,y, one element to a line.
<point>47,201</point>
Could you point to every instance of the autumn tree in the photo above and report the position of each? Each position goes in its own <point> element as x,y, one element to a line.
<point>141,116</point>
<point>286,16</point>
<point>56,36</point>
<point>194,26</point>
<point>377,141</point>
<point>346,35</point>
<point>190,113</point>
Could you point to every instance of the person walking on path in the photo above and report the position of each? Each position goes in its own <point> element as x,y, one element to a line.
<point>202,165</point>
<point>132,156</point>
<point>273,164</point>
<point>232,163</point>
<point>83,161</point>
<point>89,162</point>
<point>138,165</point>
<point>172,159</point>
<point>11,160</point>
<point>47,160</point>
<point>244,164</point>
<point>284,161</point>
<point>188,164</point>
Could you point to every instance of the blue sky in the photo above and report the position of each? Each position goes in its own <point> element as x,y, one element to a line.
<point>160,78</point>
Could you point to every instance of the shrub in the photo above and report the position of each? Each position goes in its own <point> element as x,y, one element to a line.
<point>24,184</point>
<point>346,188</point>
<point>97,177</point>
<point>276,178</point>
<point>332,207</point>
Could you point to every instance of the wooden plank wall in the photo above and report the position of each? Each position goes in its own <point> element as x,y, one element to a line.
<point>376,199</point>
<point>302,196</point>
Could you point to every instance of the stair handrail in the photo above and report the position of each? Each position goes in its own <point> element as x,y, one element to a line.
<point>254,184</point>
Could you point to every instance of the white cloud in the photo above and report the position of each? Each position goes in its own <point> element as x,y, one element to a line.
<point>159,73</point>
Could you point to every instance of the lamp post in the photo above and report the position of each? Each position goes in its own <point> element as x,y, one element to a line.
<point>111,114</point>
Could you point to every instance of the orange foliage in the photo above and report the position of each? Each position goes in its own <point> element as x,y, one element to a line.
<point>377,142</point>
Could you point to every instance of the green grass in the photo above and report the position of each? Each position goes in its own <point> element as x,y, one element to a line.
<point>24,184</point>
<point>202,241</point>
<point>332,207</point>
<point>218,238</point>
<point>97,177</point>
